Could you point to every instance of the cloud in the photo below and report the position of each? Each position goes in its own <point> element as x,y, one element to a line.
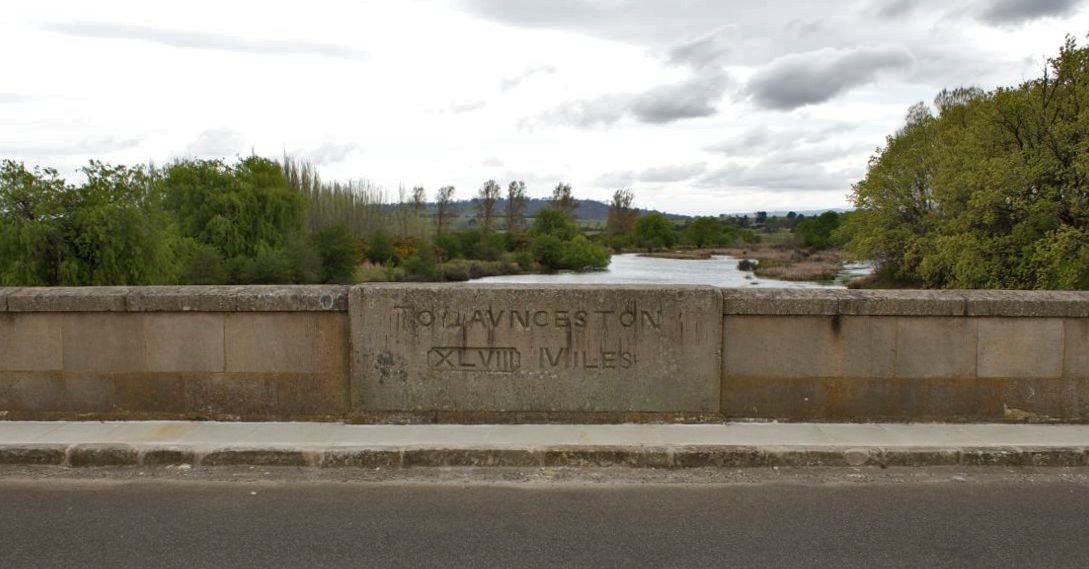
<point>201,40</point>
<point>897,8</point>
<point>90,147</point>
<point>512,81</point>
<point>1005,12</point>
<point>6,98</point>
<point>217,143</point>
<point>813,77</point>
<point>653,175</point>
<point>761,140</point>
<point>706,50</point>
<point>466,107</point>
<point>776,177</point>
<point>674,173</point>
<point>331,152</point>
<point>695,97</point>
<point>492,162</point>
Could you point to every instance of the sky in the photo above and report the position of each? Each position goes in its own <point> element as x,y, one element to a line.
<point>697,106</point>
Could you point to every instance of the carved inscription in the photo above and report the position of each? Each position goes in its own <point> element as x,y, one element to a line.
<point>507,359</point>
<point>502,360</point>
<point>524,319</point>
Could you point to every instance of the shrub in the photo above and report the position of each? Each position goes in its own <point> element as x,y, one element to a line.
<point>339,253</point>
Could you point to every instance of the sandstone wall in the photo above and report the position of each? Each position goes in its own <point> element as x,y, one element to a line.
<point>542,353</point>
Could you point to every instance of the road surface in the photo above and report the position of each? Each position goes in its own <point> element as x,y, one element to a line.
<point>837,518</point>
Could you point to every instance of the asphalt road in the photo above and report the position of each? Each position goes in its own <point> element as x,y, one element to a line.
<point>941,522</point>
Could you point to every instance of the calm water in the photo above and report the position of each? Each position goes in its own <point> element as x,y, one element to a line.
<point>718,271</point>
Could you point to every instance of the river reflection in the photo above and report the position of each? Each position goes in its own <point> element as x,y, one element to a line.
<point>720,270</point>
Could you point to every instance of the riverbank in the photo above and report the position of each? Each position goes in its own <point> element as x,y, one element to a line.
<point>780,262</point>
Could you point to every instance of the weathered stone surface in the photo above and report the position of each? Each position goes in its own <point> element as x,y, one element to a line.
<point>184,342</point>
<point>167,456</point>
<point>300,298</point>
<point>104,341</point>
<point>1024,303</point>
<point>270,298</point>
<point>184,298</point>
<point>68,299</point>
<point>550,348</point>
<point>809,346</point>
<point>260,457</point>
<point>1076,352</point>
<point>30,342</point>
<point>783,301</point>
<point>273,342</point>
<point>903,303</point>
<point>1020,347</point>
<point>36,454</point>
<point>102,455</point>
<point>813,302</point>
<point>936,347</point>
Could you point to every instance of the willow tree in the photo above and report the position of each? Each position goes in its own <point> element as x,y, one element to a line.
<point>516,205</point>
<point>444,208</point>
<point>564,200</point>
<point>486,200</point>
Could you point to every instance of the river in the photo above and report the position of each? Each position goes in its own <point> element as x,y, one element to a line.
<point>720,270</point>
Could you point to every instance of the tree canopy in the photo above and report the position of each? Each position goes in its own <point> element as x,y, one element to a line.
<point>992,192</point>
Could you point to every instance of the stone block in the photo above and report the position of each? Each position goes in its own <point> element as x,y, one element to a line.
<point>1028,303</point>
<point>1020,347</point>
<point>184,298</point>
<point>903,303</point>
<point>104,342</point>
<point>535,348</point>
<point>30,342</point>
<point>282,342</point>
<point>294,298</point>
<point>1076,351</point>
<point>260,457</point>
<point>936,347</point>
<point>780,346</point>
<point>68,299</point>
<point>34,394</point>
<point>184,342</point>
<point>783,301</point>
<point>102,455</point>
<point>809,346</point>
<point>149,393</point>
<point>88,394</point>
<point>231,395</point>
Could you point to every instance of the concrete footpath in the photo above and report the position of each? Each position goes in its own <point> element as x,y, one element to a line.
<point>150,443</point>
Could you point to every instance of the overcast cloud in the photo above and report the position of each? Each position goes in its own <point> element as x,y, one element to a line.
<point>705,106</point>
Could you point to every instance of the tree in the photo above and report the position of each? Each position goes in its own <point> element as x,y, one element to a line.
<point>555,223</point>
<point>444,205</point>
<point>238,209</point>
<point>516,205</point>
<point>817,231</point>
<point>338,251</point>
<point>654,231</point>
<point>31,242</point>
<point>705,231</point>
<point>486,200</point>
<point>419,199</point>
<point>990,193</point>
<point>621,217</point>
<point>563,200</point>
<point>116,231</point>
<point>112,230</point>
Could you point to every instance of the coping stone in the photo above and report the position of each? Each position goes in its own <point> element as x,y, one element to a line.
<point>915,302</point>
<point>252,298</point>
